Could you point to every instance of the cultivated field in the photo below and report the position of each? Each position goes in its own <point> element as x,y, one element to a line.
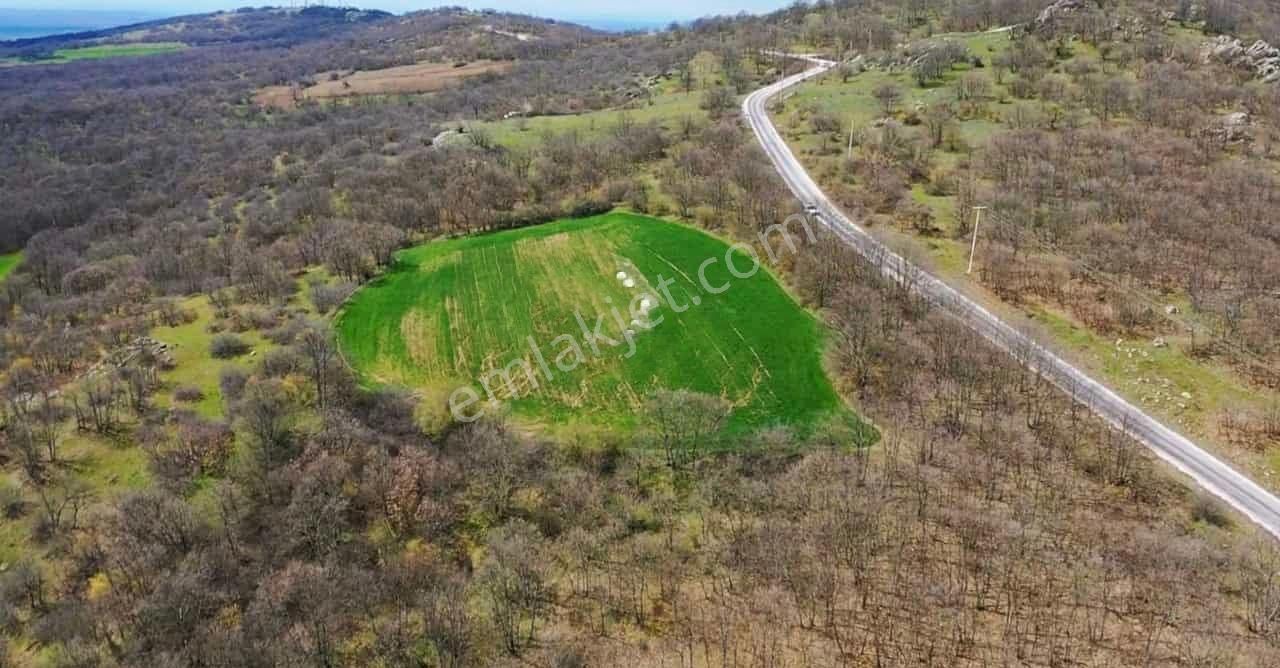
<point>117,51</point>
<point>100,52</point>
<point>451,312</point>
<point>407,79</point>
<point>8,263</point>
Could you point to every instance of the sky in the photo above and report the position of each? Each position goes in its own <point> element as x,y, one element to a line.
<point>650,10</point>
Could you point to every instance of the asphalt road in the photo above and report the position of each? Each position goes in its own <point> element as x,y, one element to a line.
<point>1206,470</point>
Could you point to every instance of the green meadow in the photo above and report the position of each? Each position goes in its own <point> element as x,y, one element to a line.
<point>8,263</point>
<point>663,108</point>
<point>117,51</point>
<point>450,313</point>
<point>103,51</point>
<point>666,104</point>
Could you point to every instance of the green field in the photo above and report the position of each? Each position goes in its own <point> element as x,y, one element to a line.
<point>194,367</point>
<point>451,312</point>
<point>117,51</point>
<point>8,263</point>
<point>663,108</point>
<point>665,105</point>
<point>105,51</point>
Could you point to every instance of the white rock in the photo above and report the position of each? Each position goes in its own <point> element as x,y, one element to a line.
<point>1261,57</point>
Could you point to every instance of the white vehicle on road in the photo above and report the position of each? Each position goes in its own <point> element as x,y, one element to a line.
<point>1206,470</point>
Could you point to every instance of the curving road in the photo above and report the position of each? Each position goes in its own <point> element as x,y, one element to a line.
<point>1206,470</point>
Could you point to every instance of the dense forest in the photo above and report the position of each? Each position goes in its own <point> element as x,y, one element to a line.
<point>283,513</point>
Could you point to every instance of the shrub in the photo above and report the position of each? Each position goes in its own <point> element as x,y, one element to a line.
<point>253,317</point>
<point>284,334</point>
<point>227,346</point>
<point>616,190</point>
<point>280,362</point>
<point>1208,510</point>
<point>231,382</point>
<point>326,298</point>
<point>824,123</point>
<point>171,314</point>
<point>196,446</point>
<point>9,621</point>
<point>718,100</point>
<point>706,217</point>
<point>11,503</point>
<point>188,394</point>
<point>590,207</point>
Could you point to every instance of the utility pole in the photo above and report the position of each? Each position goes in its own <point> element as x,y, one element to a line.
<point>973,250</point>
<point>851,126</point>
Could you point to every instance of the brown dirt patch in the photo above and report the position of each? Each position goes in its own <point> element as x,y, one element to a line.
<point>419,78</point>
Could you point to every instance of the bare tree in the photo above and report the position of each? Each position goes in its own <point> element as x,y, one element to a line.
<point>685,424</point>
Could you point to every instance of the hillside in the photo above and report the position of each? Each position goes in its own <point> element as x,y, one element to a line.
<point>234,328</point>
<point>243,25</point>
<point>1109,257</point>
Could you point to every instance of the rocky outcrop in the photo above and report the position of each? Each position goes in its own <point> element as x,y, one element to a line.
<point>1060,11</point>
<point>1261,57</point>
<point>1233,127</point>
<point>518,36</point>
<point>143,349</point>
<point>1067,17</point>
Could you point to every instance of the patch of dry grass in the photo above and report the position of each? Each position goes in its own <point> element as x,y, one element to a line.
<point>406,79</point>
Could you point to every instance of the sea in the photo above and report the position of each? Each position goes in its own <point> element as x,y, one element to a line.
<point>27,32</point>
<point>30,23</point>
<point>611,24</point>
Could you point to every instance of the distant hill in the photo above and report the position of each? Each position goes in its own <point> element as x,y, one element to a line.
<point>281,25</point>
<point>34,23</point>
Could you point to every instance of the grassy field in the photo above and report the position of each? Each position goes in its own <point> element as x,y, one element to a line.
<point>453,311</point>
<point>661,107</point>
<point>100,52</point>
<point>666,104</point>
<point>8,263</point>
<point>116,51</point>
<point>194,366</point>
<point>402,80</point>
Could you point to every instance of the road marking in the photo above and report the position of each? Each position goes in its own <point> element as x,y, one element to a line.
<point>1206,470</point>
